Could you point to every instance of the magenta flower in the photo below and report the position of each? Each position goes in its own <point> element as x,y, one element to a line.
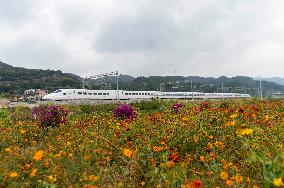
<point>50,116</point>
<point>125,111</point>
<point>177,107</point>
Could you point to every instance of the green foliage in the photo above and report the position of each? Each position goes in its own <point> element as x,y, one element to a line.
<point>17,79</point>
<point>4,113</point>
<point>86,108</point>
<point>151,105</point>
<point>105,107</point>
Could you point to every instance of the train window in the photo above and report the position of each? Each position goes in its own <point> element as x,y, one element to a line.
<point>99,93</point>
<point>95,93</point>
<point>139,93</point>
<point>90,93</point>
<point>57,91</point>
<point>79,93</point>
<point>85,93</point>
<point>64,93</point>
<point>107,93</point>
<point>104,93</point>
<point>126,93</point>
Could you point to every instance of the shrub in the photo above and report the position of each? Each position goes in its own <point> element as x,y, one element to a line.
<point>105,108</point>
<point>152,105</point>
<point>125,111</point>
<point>4,113</point>
<point>50,116</point>
<point>86,108</point>
<point>177,107</point>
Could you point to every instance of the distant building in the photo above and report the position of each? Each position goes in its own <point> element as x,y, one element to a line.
<point>40,93</point>
<point>278,95</point>
<point>35,94</point>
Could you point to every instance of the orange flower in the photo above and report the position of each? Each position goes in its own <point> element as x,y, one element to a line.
<point>127,152</point>
<point>238,179</point>
<point>224,175</point>
<point>87,157</point>
<point>23,131</point>
<point>93,178</point>
<point>229,183</point>
<point>38,155</point>
<point>202,158</point>
<point>34,170</point>
<point>14,174</point>
<point>157,149</point>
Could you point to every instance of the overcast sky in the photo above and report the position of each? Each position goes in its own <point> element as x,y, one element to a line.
<point>145,37</point>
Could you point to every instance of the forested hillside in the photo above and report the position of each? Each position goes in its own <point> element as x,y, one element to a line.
<point>15,80</point>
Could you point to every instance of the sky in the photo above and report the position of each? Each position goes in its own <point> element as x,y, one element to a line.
<point>145,37</point>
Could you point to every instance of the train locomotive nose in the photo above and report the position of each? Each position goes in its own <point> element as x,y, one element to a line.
<point>46,97</point>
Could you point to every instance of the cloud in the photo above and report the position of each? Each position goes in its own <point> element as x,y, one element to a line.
<point>143,37</point>
<point>43,54</point>
<point>15,12</point>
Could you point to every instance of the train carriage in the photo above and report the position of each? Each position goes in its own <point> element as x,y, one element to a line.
<point>84,94</point>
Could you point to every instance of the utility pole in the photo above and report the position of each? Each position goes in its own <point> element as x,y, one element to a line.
<point>260,89</point>
<point>117,85</point>
<point>191,90</point>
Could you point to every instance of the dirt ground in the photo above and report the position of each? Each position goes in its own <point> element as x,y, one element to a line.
<point>4,102</point>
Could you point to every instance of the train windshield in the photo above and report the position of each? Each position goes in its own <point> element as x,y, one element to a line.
<point>57,91</point>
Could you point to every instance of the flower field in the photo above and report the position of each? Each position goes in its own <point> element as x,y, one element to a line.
<point>237,143</point>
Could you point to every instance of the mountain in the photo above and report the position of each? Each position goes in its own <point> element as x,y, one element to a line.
<point>4,65</point>
<point>239,84</point>
<point>277,80</point>
<point>15,80</point>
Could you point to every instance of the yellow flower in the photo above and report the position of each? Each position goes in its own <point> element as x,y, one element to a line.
<point>211,137</point>
<point>224,175</point>
<point>233,116</point>
<point>278,182</point>
<point>231,123</point>
<point>185,119</point>
<point>23,131</point>
<point>127,152</point>
<point>14,174</point>
<point>38,155</point>
<point>34,170</point>
<point>8,150</point>
<point>245,131</point>
<point>52,178</point>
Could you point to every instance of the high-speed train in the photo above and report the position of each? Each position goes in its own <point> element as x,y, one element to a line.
<point>81,94</point>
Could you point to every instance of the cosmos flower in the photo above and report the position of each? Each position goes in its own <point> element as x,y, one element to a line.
<point>127,152</point>
<point>38,155</point>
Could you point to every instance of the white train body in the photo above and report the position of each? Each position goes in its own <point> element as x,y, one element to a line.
<point>84,94</point>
